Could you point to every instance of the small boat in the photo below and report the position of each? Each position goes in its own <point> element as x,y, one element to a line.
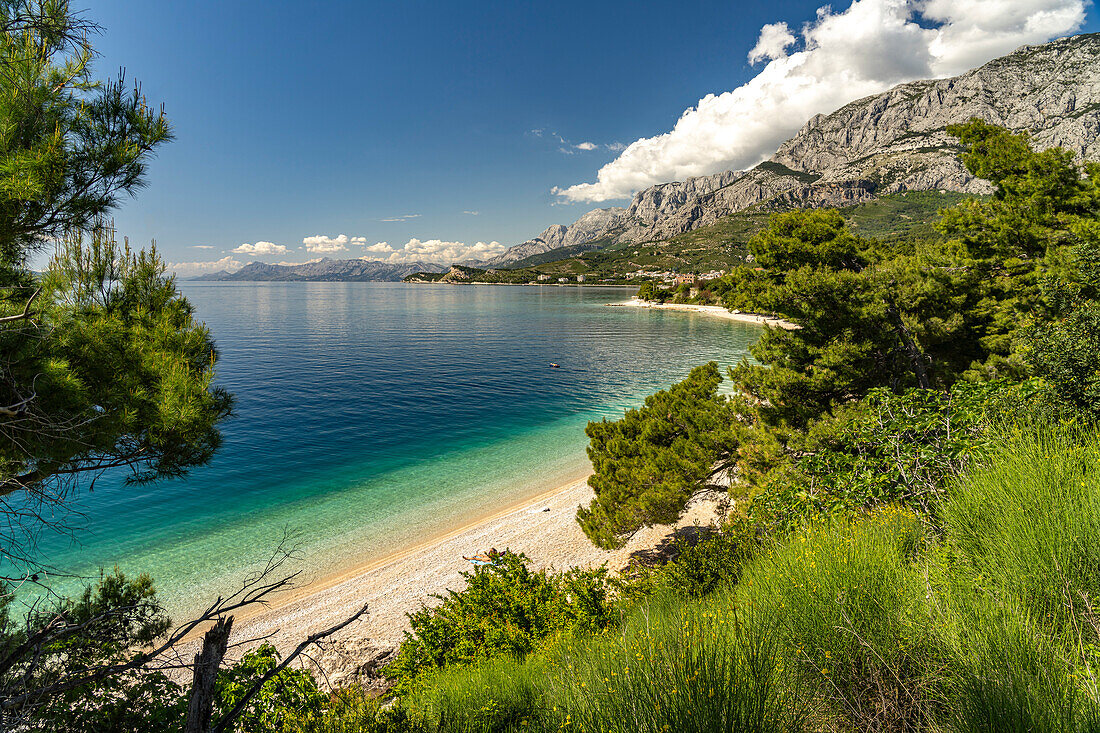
<point>555,366</point>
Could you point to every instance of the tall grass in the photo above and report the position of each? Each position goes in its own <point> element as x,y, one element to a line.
<point>1027,524</point>
<point>1022,574</point>
<point>849,608</point>
<point>496,696</point>
<point>678,666</point>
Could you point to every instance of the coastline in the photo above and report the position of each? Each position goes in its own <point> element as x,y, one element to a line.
<point>542,527</point>
<point>710,310</point>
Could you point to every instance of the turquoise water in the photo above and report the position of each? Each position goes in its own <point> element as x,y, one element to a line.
<point>373,415</point>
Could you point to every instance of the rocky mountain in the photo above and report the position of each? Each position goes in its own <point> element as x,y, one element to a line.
<point>593,225</point>
<point>327,269</point>
<point>886,143</point>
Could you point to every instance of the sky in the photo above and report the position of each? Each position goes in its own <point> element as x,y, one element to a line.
<point>429,130</point>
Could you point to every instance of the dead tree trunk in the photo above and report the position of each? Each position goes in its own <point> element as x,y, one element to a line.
<point>207,663</point>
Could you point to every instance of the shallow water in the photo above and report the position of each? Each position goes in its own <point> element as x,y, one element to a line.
<point>370,416</point>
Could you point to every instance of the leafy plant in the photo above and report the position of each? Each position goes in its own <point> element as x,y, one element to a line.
<point>506,609</point>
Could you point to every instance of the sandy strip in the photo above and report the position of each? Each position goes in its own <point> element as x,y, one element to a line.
<point>545,529</point>
<point>710,310</point>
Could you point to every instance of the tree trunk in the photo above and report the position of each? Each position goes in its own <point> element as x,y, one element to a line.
<point>207,663</point>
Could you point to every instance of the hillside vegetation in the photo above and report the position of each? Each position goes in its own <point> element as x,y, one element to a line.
<point>718,246</point>
<point>916,494</point>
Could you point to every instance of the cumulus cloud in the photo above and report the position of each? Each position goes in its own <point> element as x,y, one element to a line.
<point>585,146</point>
<point>324,244</point>
<point>191,269</point>
<point>839,56</point>
<point>472,213</point>
<point>202,246</point>
<point>433,250</point>
<point>261,248</point>
<point>774,40</point>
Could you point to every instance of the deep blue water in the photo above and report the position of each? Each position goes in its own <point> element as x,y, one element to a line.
<point>372,415</point>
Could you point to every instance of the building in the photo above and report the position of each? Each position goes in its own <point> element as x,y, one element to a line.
<point>580,278</point>
<point>543,278</point>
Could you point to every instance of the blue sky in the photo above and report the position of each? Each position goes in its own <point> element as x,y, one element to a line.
<point>310,120</point>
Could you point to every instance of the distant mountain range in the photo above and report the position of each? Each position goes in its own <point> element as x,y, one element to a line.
<point>882,144</point>
<point>326,269</point>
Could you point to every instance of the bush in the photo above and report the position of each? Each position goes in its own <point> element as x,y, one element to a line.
<point>505,610</point>
<point>290,693</point>
<point>848,608</point>
<point>697,568</point>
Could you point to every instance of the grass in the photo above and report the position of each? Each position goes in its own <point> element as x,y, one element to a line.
<point>847,602</point>
<point>678,666</point>
<point>985,622</point>
<point>1023,557</point>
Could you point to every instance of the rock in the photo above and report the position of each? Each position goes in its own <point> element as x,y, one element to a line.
<point>887,143</point>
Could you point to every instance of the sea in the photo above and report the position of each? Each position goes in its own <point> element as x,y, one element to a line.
<point>372,416</point>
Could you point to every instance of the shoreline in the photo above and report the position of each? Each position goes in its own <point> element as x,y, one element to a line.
<point>328,580</point>
<point>543,527</point>
<point>710,310</point>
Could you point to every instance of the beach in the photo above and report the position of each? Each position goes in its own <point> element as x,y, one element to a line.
<point>710,310</point>
<point>543,528</point>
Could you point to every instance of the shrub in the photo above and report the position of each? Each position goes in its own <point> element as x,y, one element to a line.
<point>697,568</point>
<point>848,608</point>
<point>290,693</point>
<point>505,610</point>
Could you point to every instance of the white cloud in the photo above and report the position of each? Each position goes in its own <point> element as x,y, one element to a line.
<point>403,217</point>
<point>324,244</point>
<point>865,49</point>
<point>585,146</point>
<point>191,269</point>
<point>434,250</point>
<point>775,39</point>
<point>472,213</point>
<point>261,248</point>
<point>202,246</point>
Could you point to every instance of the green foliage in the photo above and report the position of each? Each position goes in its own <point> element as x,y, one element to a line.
<point>847,606</point>
<point>885,449</point>
<point>648,464</point>
<point>1020,579</point>
<point>817,238</point>
<point>75,637</point>
<point>500,695</point>
<point>70,146</point>
<point>697,568</point>
<point>101,362</point>
<point>352,710</point>
<point>505,610</point>
<point>678,666</point>
<point>124,377</point>
<point>289,694</point>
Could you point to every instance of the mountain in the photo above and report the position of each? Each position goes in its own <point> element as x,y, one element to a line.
<point>593,225</point>
<point>325,270</point>
<point>883,144</point>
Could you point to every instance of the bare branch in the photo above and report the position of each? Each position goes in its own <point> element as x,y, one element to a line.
<point>228,719</point>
